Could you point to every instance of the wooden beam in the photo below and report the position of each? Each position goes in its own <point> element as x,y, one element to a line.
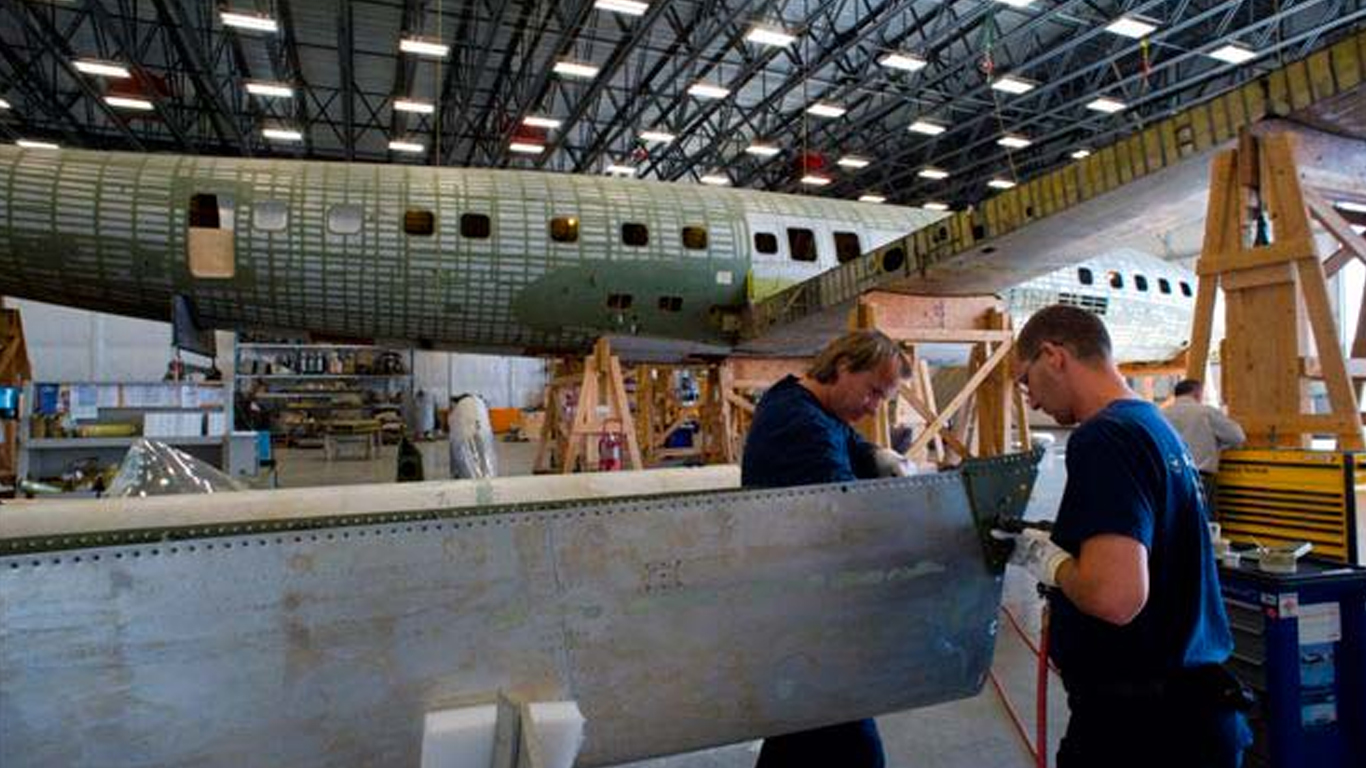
<point>959,399</point>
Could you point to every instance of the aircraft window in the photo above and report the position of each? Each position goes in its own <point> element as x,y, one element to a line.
<point>801,244</point>
<point>695,238</point>
<point>419,222</point>
<point>1185,289</point>
<point>209,245</point>
<point>1116,280</point>
<point>271,215</point>
<point>635,234</point>
<point>475,226</point>
<point>619,300</point>
<point>1085,277</point>
<point>1164,285</point>
<point>765,242</point>
<point>344,219</point>
<point>670,303</point>
<point>847,246</point>
<point>564,229</point>
<point>1141,282</point>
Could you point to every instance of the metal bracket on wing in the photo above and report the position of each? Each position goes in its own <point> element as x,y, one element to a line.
<point>999,490</point>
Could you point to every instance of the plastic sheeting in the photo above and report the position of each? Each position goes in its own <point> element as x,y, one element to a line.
<point>153,468</point>
<point>473,454</point>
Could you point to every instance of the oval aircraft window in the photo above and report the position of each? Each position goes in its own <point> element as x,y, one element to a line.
<point>635,234</point>
<point>695,238</point>
<point>893,260</point>
<point>564,229</point>
<point>271,215</point>
<point>419,222</point>
<point>344,219</point>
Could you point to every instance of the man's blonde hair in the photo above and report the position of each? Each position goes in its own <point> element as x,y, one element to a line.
<point>859,351</point>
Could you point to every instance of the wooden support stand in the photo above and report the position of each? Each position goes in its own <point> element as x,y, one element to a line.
<point>584,402</point>
<point>1273,284</point>
<point>14,371</point>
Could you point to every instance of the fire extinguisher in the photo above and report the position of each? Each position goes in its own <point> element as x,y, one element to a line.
<point>610,445</point>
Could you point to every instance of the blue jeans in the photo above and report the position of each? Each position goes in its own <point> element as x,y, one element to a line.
<point>847,745</point>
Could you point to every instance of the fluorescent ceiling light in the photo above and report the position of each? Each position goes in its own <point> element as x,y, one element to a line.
<point>541,122</point>
<point>1348,205</point>
<point>1131,26</point>
<point>250,21</point>
<point>621,170</point>
<point>406,146</point>
<point>1014,141</point>
<point>820,109</point>
<point>660,137</point>
<point>708,91</point>
<point>282,134</point>
<point>770,36</point>
<point>276,90</point>
<point>932,206</point>
<point>1081,154</point>
<point>31,144</point>
<point>852,161</point>
<point>872,199</point>
<point>1012,84</point>
<point>419,107</point>
<point>576,69</point>
<point>1107,105</point>
<point>1000,183</point>
<point>926,127</point>
<point>628,7</point>
<point>933,173</point>
<point>104,68</point>
<point>1014,4</point>
<point>763,150</point>
<point>1233,54</point>
<point>526,148</point>
<point>715,180</point>
<point>813,180</point>
<point>126,102</point>
<point>903,61</point>
<point>421,47</point>
<point>4,104</point>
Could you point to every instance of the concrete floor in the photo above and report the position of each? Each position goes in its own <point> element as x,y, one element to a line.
<point>971,732</point>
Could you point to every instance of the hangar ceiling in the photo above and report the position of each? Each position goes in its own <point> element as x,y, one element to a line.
<point>626,74</point>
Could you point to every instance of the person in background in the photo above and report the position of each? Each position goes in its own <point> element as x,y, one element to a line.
<point>802,434</point>
<point>1206,430</point>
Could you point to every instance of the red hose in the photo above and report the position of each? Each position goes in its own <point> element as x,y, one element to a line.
<point>1041,699</point>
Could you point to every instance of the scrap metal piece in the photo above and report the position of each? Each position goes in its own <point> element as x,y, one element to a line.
<point>677,622</point>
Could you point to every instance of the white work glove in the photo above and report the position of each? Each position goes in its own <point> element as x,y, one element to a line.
<point>889,463</point>
<point>1035,552</point>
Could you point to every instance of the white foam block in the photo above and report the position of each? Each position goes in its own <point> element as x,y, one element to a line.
<point>557,727</point>
<point>459,738</point>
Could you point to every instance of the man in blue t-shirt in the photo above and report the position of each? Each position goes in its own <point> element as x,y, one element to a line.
<point>1138,629</point>
<point>802,435</point>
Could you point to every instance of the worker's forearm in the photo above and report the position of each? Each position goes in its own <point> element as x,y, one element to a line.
<point>1095,596</point>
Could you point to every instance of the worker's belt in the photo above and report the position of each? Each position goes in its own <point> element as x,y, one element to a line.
<point>1210,686</point>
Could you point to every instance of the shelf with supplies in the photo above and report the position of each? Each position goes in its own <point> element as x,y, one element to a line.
<point>299,392</point>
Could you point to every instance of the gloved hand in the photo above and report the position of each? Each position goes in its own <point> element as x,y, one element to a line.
<point>892,464</point>
<point>1035,552</point>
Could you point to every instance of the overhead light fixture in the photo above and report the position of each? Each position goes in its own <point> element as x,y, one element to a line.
<point>933,173</point>
<point>526,148</point>
<point>1233,54</point>
<point>935,206</point>
<point>1016,3</point>
<point>1012,85</point>
<point>621,170</point>
<point>871,199</point>
<point>4,104</point>
<point>1136,27</point>
<point>1107,105</point>
<point>576,69</point>
<point>927,127</point>
<point>282,134</point>
<point>416,107</point>
<point>251,21</point>
<point>715,180</point>
<point>628,7</point>
<point>406,146</point>
<point>102,68</point>
<point>708,91</point>
<point>770,36</point>
<point>821,109</point>
<point>852,161</point>
<point>32,144</point>
<point>541,122</point>
<point>275,90</point>
<point>128,102</point>
<point>814,180</point>
<point>658,137</point>
<point>1349,206</point>
<point>420,47</point>
<point>763,150</point>
<point>1014,141</point>
<point>1000,184</point>
<point>1081,154</point>
<point>908,62</point>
